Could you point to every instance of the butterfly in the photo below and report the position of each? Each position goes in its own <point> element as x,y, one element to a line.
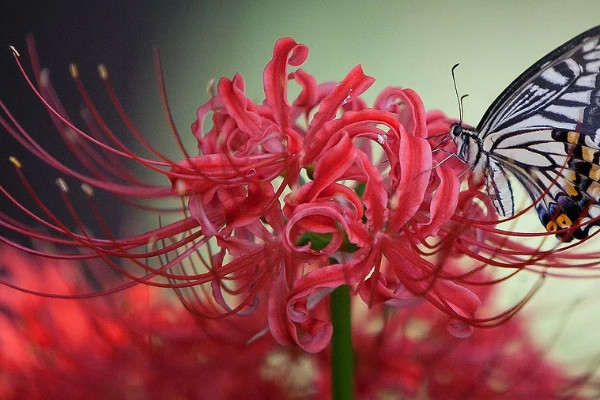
<point>544,130</point>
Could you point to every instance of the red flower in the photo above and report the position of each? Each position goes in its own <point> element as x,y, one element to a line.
<point>286,200</point>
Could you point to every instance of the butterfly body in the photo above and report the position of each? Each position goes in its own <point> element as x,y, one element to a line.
<point>544,130</point>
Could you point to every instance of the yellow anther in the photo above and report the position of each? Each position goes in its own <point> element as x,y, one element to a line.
<point>73,71</point>
<point>564,221</point>
<point>14,51</point>
<point>103,72</point>
<point>15,161</point>
<point>62,185</point>
<point>87,189</point>
<point>210,87</point>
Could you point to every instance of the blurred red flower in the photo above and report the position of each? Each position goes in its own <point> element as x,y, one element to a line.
<point>139,344</point>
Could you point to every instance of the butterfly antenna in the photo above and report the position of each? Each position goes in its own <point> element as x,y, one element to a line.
<point>458,98</point>
<point>461,107</point>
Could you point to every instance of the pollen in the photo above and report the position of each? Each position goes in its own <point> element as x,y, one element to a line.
<point>62,185</point>
<point>74,71</point>
<point>44,78</point>
<point>151,245</point>
<point>15,161</point>
<point>103,72</point>
<point>14,51</point>
<point>180,187</point>
<point>210,87</point>
<point>87,189</point>
<point>70,134</point>
<point>394,202</point>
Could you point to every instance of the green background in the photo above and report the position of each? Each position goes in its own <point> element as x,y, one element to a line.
<point>404,43</point>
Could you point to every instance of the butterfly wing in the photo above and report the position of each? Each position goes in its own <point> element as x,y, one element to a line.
<point>545,129</point>
<point>499,189</point>
<point>561,178</point>
<point>559,91</point>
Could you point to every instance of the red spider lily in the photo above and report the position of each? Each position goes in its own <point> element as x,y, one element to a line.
<point>286,201</point>
<point>139,344</point>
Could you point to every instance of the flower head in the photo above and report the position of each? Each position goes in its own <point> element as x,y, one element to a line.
<point>285,200</point>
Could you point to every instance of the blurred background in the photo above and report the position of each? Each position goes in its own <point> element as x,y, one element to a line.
<point>400,43</point>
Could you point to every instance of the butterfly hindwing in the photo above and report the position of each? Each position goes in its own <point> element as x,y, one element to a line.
<point>499,189</point>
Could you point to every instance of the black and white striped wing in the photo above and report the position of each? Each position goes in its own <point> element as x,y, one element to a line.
<point>559,171</point>
<point>544,129</point>
<point>560,91</point>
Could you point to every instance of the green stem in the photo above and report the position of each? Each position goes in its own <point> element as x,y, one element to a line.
<point>342,355</point>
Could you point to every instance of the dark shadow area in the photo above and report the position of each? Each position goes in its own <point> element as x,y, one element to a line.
<point>118,34</point>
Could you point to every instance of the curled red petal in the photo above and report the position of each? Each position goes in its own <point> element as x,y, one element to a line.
<point>286,52</point>
<point>354,84</point>
<point>413,116</point>
<point>458,299</point>
<point>294,321</point>
<point>318,218</point>
<point>444,201</point>
<point>415,168</point>
<point>237,105</point>
<point>375,197</point>
<point>309,93</point>
<point>408,107</point>
<point>307,313</point>
<point>332,164</point>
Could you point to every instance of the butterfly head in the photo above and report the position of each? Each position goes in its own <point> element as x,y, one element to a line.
<point>459,131</point>
<point>460,138</point>
<point>469,145</point>
<point>456,130</point>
